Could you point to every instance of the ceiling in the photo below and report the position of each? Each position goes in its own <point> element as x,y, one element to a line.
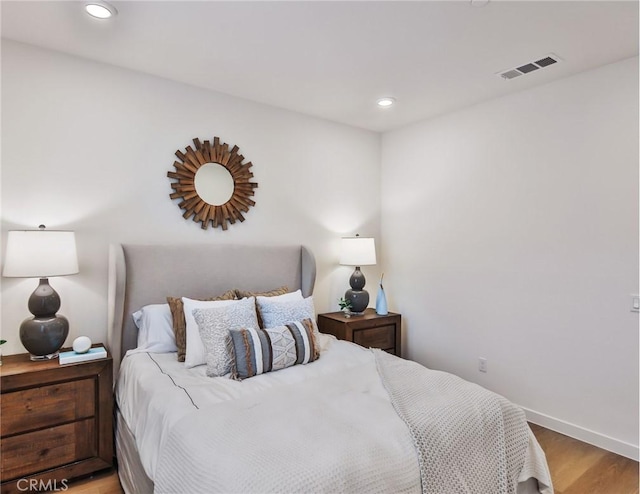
<point>334,59</point>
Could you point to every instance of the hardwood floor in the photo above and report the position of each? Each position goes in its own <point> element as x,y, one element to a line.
<point>576,468</point>
<point>102,483</point>
<point>580,468</point>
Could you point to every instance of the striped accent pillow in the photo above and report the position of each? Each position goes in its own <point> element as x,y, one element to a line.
<point>264,350</point>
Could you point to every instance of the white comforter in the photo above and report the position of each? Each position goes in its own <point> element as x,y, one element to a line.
<point>330,422</point>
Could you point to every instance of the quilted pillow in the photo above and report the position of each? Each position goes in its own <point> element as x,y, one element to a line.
<point>275,312</point>
<point>257,351</point>
<point>214,325</point>
<point>179,323</point>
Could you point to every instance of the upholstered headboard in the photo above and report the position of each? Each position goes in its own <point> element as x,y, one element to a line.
<point>146,274</point>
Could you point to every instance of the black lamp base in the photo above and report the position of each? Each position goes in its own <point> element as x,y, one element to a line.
<point>44,334</point>
<point>359,300</point>
<point>358,296</point>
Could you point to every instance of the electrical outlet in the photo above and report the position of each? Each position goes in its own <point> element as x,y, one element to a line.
<point>635,303</point>
<point>482,364</point>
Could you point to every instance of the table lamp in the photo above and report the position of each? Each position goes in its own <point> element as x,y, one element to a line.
<point>40,254</point>
<point>357,251</point>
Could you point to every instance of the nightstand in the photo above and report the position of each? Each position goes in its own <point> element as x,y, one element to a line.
<point>57,421</point>
<point>367,330</point>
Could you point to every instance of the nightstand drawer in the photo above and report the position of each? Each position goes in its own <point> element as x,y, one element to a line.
<point>382,337</point>
<point>47,406</point>
<point>47,448</point>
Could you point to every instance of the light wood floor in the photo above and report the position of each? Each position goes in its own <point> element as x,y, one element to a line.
<point>576,468</point>
<point>579,468</point>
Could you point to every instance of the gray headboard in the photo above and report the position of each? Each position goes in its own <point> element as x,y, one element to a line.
<point>146,274</point>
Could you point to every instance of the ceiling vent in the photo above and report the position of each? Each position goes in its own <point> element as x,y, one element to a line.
<point>529,67</point>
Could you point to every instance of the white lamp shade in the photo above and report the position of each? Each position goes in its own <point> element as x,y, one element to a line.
<point>358,251</point>
<point>40,254</point>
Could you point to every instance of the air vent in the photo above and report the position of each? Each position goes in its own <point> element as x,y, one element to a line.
<point>545,62</point>
<point>529,67</point>
<point>510,74</point>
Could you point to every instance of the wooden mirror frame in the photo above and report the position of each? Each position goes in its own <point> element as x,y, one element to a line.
<point>190,161</point>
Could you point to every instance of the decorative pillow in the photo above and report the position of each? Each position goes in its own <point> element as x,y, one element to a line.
<point>276,313</point>
<point>270,293</point>
<point>195,354</point>
<point>283,290</point>
<point>155,329</point>
<point>179,322</point>
<point>285,297</point>
<point>257,351</point>
<point>214,325</point>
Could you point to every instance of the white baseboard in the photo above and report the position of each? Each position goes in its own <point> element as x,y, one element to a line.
<point>585,435</point>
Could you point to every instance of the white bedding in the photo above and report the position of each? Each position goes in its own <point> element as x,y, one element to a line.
<point>158,397</point>
<point>155,390</point>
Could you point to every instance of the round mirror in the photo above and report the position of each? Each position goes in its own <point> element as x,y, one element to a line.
<point>214,184</point>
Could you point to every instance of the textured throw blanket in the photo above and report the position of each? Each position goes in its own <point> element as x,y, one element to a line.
<point>388,426</point>
<point>468,439</point>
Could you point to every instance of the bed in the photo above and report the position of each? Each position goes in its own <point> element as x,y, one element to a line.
<point>351,420</point>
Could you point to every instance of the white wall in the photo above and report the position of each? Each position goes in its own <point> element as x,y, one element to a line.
<point>87,146</point>
<point>511,233</point>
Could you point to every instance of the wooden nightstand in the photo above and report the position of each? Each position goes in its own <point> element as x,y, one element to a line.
<point>57,421</point>
<point>367,330</point>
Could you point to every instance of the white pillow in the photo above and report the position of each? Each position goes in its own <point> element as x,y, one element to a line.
<point>195,354</point>
<point>155,329</point>
<point>215,325</point>
<point>276,312</point>
<point>297,295</point>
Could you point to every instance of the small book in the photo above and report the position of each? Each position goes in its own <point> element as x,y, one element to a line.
<point>72,357</point>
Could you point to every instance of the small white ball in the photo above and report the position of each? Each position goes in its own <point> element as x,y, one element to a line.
<point>81,344</point>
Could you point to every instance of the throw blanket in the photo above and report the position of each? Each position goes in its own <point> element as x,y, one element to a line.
<point>341,433</point>
<point>468,439</point>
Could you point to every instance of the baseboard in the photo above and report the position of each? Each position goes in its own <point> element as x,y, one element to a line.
<point>585,435</point>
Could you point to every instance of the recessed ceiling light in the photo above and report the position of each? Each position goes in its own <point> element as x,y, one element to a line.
<point>479,3</point>
<point>386,102</point>
<point>101,10</point>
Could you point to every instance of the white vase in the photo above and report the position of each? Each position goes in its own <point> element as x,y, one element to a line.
<point>381,302</point>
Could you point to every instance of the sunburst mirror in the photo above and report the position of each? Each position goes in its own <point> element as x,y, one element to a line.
<point>213,182</point>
